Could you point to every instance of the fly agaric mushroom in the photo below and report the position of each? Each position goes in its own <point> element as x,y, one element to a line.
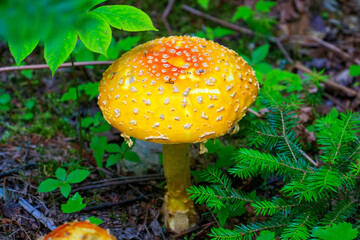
<point>176,91</point>
<point>79,231</point>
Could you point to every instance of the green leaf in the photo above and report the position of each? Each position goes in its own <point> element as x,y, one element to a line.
<point>77,176</point>
<point>204,3</point>
<point>69,95</point>
<point>125,17</point>
<point>28,116</point>
<point>213,146</point>
<point>74,204</point>
<point>264,6</point>
<point>20,50</point>
<point>49,185</point>
<point>94,220</point>
<point>127,43</point>
<point>343,231</point>
<point>58,49</point>
<point>60,174</point>
<point>113,148</point>
<point>221,32</point>
<point>30,104</point>
<point>104,127</point>
<point>266,235</point>
<point>94,32</point>
<point>132,156</point>
<point>86,122</point>
<point>98,142</point>
<point>260,53</point>
<point>91,89</point>
<point>355,70</point>
<point>263,67</point>
<point>223,215</point>
<point>5,98</point>
<point>242,12</point>
<point>65,189</point>
<point>113,159</point>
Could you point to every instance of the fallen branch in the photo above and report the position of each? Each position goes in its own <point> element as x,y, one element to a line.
<point>109,205</point>
<point>239,29</point>
<point>330,83</point>
<point>116,183</point>
<point>45,66</point>
<point>166,14</point>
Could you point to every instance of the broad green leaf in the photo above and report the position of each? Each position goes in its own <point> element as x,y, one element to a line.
<point>242,12</point>
<point>20,50</point>
<point>343,231</point>
<point>260,53</point>
<point>104,127</point>
<point>86,122</point>
<point>94,220</point>
<point>28,116</point>
<point>49,185</point>
<point>74,204</point>
<point>127,43</point>
<point>264,6</point>
<point>113,148</point>
<point>223,215</point>
<point>69,95</point>
<point>60,174</point>
<point>204,3</point>
<point>221,32</point>
<point>94,32</point>
<point>30,104</point>
<point>5,98</point>
<point>58,49</point>
<point>125,17</point>
<point>213,145</point>
<point>77,176</point>
<point>82,54</point>
<point>355,70</point>
<point>132,156</point>
<point>266,235</point>
<point>263,67</point>
<point>91,89</point>
<point>98,142</point>
<point>65,189</point>
<point>113,159</point>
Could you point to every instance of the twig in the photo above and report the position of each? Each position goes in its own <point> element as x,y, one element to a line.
<point>48,222</point>
<point>250,110</point>
<point>330,82</point>
<point>239,29</point>
<point>45,66</point>
<point>329,46</point>
<point>17,169</point>
<point>27,235</point>
<point>337,102</point>
<point>109,205</point>
<point>220,21</point>
<point>166,14</point>
<point>190,230</point>
<point>115,183</point>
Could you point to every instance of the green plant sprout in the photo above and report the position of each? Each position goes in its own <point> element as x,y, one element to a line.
<point>74,204</point>
<point>258,19</point>
<point>63,181</point>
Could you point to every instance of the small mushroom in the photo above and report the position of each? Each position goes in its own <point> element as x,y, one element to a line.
<point>79,231</point>
<point>176,91</point>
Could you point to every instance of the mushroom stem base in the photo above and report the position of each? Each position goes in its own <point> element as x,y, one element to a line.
<point>179,212</point>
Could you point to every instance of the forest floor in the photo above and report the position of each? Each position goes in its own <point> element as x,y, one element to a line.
<point>38,131</point>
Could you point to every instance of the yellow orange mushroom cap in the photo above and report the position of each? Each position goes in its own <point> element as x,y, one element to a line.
<point>177,89</point>
<point>79,231</point>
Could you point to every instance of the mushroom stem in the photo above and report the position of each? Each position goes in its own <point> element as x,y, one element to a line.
<point>179,212</point>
